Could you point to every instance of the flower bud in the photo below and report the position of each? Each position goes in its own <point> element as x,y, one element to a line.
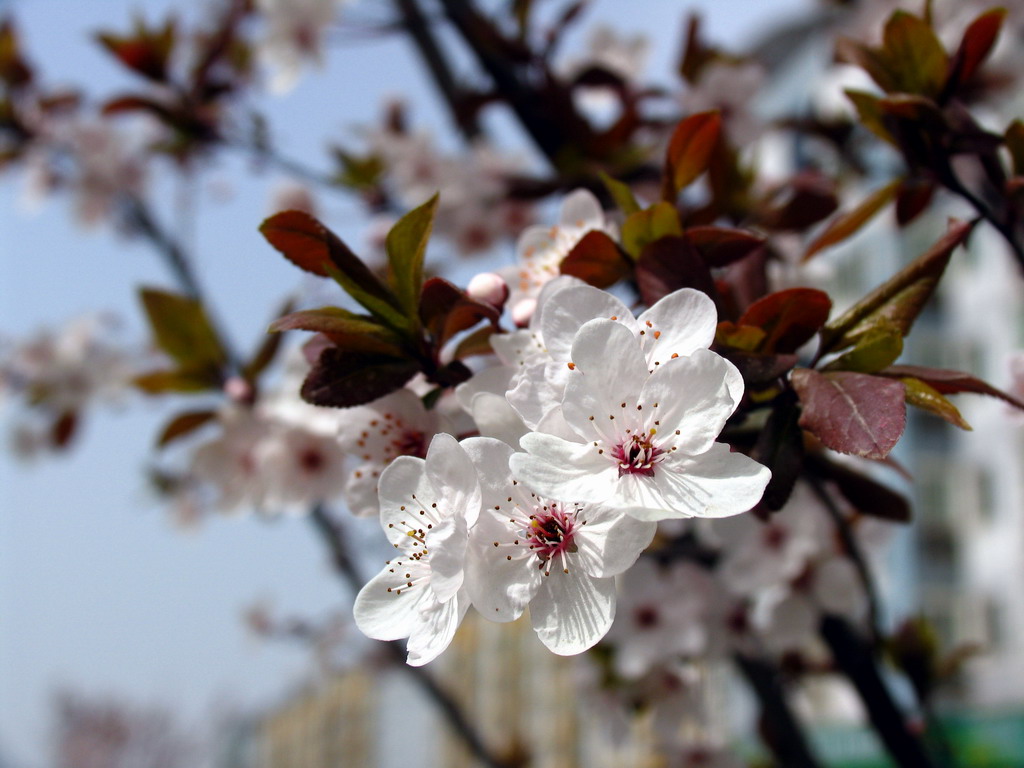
<point>488,288</point>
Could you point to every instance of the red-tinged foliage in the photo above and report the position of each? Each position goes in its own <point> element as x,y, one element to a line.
<point>977,43</point>
<point>780,447</point>
<point>342,379</point>
<point>949,382</point>
<point>800,203</point>
<point>927,398</point>
<point>184,424</point>
<point>850,222</point>
<point>852,413</point>
<point>788,318</point>
<point>913,198</point>
<point>447,310</point>
<point>345,329</point>
<point>721,246</point>
<point>897,302</point>
<point>668,264</point>
<point>689,151</point>
<point>596,259</point>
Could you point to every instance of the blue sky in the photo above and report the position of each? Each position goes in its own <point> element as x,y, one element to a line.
<point>98,591</point>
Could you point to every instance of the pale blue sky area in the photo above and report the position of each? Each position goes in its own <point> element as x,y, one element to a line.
<point>97,589</point>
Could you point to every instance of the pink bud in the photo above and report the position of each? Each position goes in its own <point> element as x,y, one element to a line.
<point>523,311</point>
<point>488,288</point>
<point>238,389</point>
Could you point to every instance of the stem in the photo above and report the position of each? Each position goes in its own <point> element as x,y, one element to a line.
<point>780,729</point>
<point>854,657</point>
<point>416,24</point>
<point>953,184</point>
<point>333,535</point>
<point>854,552</point>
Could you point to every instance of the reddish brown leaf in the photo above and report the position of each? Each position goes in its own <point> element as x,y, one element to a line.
<point>184,424</point>
<point>850,222</point>
<point>63,429</point>
<point>948,382</point>
<point>913,199</point>
<point>853,413</point>
<point>978,41</point>
<point>344,379</point>
<point>789,318</point>
<point>311,246</point>
<point>800,203</point>
<point>668,264</point>
<point>780,447</point>
<point>721,246</point>
<point>898,301</point>
<point>446,310</point>
<point>596,259</point>
<point>347,330</point>
<point>689,151</point>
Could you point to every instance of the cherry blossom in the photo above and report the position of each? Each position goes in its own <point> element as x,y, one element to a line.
<point>295,31</point>
<point>644,442</point>
<point>558,557</point>
<point>540,250</point>
<point>426,509</point>
<point>376,434</point>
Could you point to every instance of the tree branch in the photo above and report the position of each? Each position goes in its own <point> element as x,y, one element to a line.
<point>333,534</point>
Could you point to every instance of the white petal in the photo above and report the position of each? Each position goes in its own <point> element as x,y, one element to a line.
<point>389,615</point>
<point>582,210</point>
<point>537,390</point>
<point>718,483</point>
<point>562,318</point>
<point>494,380</point>
<point>685,321</point>
<point>500,588</point>
<point>446,543</point>
<point>572,611</point>
<point>399,482</point>
<point>838,589</point>
<point>490,457</point>
<point>692,397</point>
<point>614,541</point>
<point>436,629</point>
<point>494,417</point>
<point>446,466</point>
<point>563,470</point>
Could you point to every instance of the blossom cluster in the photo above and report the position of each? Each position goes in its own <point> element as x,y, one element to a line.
<point>606,451</point>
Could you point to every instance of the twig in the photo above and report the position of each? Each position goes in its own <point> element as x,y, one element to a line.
<point>779,727</point>
<point>333,535</point>
<point>855,659</point>
<point>415,22</point>
<point>856,555</point>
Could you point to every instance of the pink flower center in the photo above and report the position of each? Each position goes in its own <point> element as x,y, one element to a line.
<point>551,532</point>
<point>637,455</point>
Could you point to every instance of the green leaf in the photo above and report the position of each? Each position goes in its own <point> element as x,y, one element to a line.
<point>898,301</point>
<point>648,225</point>
<point>476,343</point>
<point>915,56</point>
<point>346,329</point>
<point>869,109</point>
<point>621,194</point>
<point>927,398</point>
<point>406,246</point>
<point>949,382</point>
<point>849,222</point>
<point>876,349</point>
<point>183,380</point>
<point>182,329</point>
<point>689,151</point>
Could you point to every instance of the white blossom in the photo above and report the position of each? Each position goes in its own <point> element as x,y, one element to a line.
<point>557,557</point>
<point>644,441</point>
<point>426,509</point>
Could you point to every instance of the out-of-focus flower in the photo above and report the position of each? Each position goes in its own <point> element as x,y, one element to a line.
<point>294,36</point>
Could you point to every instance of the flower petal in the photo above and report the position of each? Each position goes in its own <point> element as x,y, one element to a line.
<point>499,587</point>
<point>611,541</point>
<point>385,609</point>
<point>718,483</point>
<point>572,611</point>
<point>436,629</point>
<point>446,468</point>
<point>563,470</point>
<point>684,321</point>
<point>561,319</point>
